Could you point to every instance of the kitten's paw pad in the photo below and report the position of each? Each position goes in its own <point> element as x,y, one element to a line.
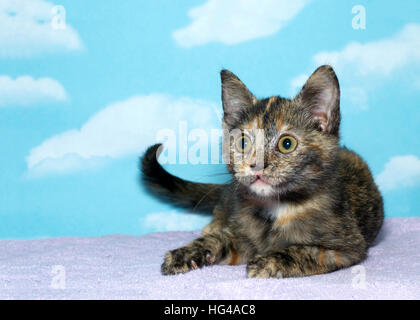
<point>185,259</point>
<point>263,267</point>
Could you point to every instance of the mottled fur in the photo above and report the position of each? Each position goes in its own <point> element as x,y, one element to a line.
<point>318,208</point>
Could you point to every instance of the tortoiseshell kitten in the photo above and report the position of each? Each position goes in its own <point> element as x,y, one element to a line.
<point>310,207</point>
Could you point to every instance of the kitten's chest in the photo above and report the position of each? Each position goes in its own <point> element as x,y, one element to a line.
<point>272,228</point>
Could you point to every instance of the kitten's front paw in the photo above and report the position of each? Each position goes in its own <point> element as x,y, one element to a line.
<point>263,267</point>
<point>185,259</point>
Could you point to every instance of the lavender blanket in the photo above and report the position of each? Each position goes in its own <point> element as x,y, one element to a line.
<point>128,267</point>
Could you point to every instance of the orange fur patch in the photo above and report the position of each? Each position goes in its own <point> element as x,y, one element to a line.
<point>270,102</point>
<point>283,220</point>
<point>337,259</point>
<point>234,260</point>
<point>321,258</point>
<point>321,261</point>
<point>279,122</point>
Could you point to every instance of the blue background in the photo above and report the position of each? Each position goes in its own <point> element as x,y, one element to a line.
<point>128,49</point>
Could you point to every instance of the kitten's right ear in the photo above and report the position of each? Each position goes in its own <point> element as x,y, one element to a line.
<point>235,97</point>
<point>320,96</point>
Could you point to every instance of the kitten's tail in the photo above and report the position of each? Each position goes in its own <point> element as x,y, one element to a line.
<point>201,197</point>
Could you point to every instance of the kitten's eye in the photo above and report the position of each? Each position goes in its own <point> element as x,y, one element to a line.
<point>243,144</point>
<point>287,144</point>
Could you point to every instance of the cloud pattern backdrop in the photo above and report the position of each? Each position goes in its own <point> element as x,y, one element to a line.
<point>85,89</point>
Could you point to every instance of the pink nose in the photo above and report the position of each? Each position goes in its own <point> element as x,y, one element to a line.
<point>258,173</point>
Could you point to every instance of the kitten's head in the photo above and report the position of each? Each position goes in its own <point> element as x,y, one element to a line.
<point>280,147</point>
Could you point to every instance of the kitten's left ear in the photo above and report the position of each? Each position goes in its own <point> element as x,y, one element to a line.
<point>235,97</point>
<point>320,95</point>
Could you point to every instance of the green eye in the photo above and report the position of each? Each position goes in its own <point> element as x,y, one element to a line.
<point>287,144</point>
<point>243,144</point>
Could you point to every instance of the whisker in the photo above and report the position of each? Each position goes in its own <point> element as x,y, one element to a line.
<point>216,174</point>
<point>201,177</point>
<point>202,198</point>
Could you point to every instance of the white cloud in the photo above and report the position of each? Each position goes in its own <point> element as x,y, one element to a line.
<point>379,57</point>
<point>120,129</point>
<point>356,95</point>
<point>25,90</point>
<point>298,82</point>
<point>236,21</point>
<point>26,30</point>
<point>362,67</point>
<point>65,165</point>
<point>174,221</point>
<point>399,172</point>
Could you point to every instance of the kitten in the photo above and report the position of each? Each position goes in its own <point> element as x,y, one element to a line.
<point>309,207</point>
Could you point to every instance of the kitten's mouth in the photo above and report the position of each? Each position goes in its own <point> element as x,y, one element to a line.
<point>260,180</point>
<point>261,187</point>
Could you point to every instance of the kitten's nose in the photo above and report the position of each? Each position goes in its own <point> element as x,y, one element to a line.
<point>257,168</point>
<point>258,173</point>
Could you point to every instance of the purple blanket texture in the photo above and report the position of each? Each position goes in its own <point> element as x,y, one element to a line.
<point>128,267</point>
